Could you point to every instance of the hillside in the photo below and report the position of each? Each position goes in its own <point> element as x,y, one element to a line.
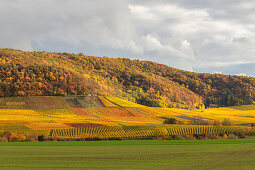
<point>51,74</point>
<point>76,116</point>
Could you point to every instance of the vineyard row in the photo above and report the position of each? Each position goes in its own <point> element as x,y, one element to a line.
<point>144,131</point>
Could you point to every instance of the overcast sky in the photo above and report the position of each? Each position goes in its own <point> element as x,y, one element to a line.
<point>216,36</point>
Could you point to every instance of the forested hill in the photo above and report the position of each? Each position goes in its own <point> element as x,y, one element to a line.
<point>149,83</point>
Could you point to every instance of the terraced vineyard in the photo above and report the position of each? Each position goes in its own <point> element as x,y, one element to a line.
<point>105,117</point>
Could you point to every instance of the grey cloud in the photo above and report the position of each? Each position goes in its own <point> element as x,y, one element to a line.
<point>96,22</point>
<point>235,69</point>
<point>203,35</point>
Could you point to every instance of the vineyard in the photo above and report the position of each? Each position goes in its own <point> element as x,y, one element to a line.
<point>106,117</point>
<point>144,131</point>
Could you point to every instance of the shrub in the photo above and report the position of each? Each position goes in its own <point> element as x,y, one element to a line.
<point>211,136</point>
<point>252,132</point>
<point>3,139</point>
<point>13,138</point>
<point>216,123</point>
<point>200,121</point>
<point>53,138</point>
<point>190,137</point>
<point>160,132</point>
<point>114,138</point>
<point>22,138</point>
<point>1,133</point>
<point>167,138</point>
<point>201,137</point>
<point>93,139</point>
<point>8,134</point>
<point>170,121</point>
<point>232,136</point>
<point>164,138</point>
<point>241,135</point>
<point>252,124</point>
<point>226,122</point>
<point>33,137</point>
<point>178,137</point>
<point>225,136</point>
<point>41,138</point>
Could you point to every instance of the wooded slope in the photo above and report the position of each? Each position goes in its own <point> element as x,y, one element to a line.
<point>40,73</point>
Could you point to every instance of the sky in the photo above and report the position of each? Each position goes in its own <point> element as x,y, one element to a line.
<point>196,35</point>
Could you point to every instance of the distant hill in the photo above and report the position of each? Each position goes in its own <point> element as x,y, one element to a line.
<point>41,73</point>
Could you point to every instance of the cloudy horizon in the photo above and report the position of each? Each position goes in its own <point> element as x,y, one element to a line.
<point>202,35</point>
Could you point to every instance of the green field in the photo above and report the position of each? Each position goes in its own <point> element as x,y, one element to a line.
<point>149,154</point>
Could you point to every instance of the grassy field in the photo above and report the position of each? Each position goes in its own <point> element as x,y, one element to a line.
<point>200,154</point>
